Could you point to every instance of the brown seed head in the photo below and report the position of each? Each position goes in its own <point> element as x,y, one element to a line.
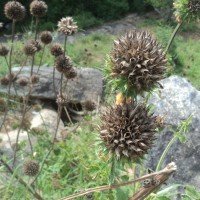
<point>56,49</point>
<point>4,80</point>
<point>61,100</point>
<point>70,74</point>
<point>22,81</point>
<point>34,79</point>
<point>38,8</point>
<point>3,50</point>
<point>139,59</point>
<point>31,47</point>
<point>63,64</point>
<point>31,168</point>
<point>193,6</point>
<point>89,105</point>
<point>67,26</point>
<point>46,37</point>
<point>128,130</point>
<point>3,105</point>
<point>14,10</point>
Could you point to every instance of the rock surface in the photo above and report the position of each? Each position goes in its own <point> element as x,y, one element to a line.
<point>88,85</point>
<point>176,102</point>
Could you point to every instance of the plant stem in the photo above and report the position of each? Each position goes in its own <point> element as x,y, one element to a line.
<point>173,36</point>
<point>41,59</point>
<point>65,44</point>
<point>21,181</point>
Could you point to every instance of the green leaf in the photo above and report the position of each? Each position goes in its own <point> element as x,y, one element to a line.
<point>185,197</point>
<point>162,198</point>
<point>122,193</point>
<point>192,192</point>
<point>169,190</point>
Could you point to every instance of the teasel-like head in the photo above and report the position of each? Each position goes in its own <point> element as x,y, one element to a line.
<point>14,10</point>
<point>89,105</point>
<point>3,50</point>
<point>31,47</point>
<point>70,74</point>
<point>46,37</point>
<point>31,167</point>
<point>22,81</point>
<point>138,60</point>
<point>38,8</point>
<point>56,49</point>
<point>34,79</point>
<point>128,130</point>
<point>63,64</point>
<point>67,26</point>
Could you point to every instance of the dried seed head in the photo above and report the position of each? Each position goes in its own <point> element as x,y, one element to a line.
<point>31,168</point>
<point>63,64</point>
<point>139,59</point>
<point>46,37</point>
<point>89,105</point>
<point>67,26</point>
<point>12,77</point>
<point>128,130</point>
<point>61,100</point>
<point>38,8</point>
<point>22,81</point>
<point>31,47</point>
<point>34,79</point>
<point>3,50</point>
<point>70,74</point>
<point>160,121</point>
<point>3,105</point>
<point>56,50</point>
<point>194,6</point>
<point>14,10</point>
<point>4,80</point>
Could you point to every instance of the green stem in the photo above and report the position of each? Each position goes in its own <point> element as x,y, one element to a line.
<point>173,36</point>
<point>41,59</point>
<point>165,152</point>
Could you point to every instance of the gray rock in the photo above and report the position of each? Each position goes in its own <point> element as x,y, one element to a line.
<point>88,85</point>
<point>176,102</point>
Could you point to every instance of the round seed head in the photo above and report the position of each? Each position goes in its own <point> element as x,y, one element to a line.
<point>31,168</point>
<point>128,130</point>
<point>56,49</point>
<point>34,79</point>
<point>46,37</point>
<point>3,50</point>
<point>89,105</point>
<point>63,64</point>
<point>22,81</point>
<point>38,8</point>
<point>31,47</point>
<point>67,26</point>
<point>12,77</point>
<point>4,80</point>
<point>14,10</point>
<point>70,74</point>
<point>138,59</point>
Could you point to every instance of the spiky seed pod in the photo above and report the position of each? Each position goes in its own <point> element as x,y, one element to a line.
<point>31,47</point>
<point>89,105</point>
<point>70,74</point>
<point>22,81</point>
<point>38,8</point>
<point>34,79</point>
<point>128,130</point>
<point>3,105</point>
<point>4,80</point>
<point>61,100</point>
<point>3,50</point>
<point>67,26</point>
<point>46,37</point>
<point>14,10</point>
<point>56,50</point>
<point>31,167</point>
<point>63,63</point>
<point>139,59</point>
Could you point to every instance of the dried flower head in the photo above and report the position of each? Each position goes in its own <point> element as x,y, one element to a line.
<point>56,50</point>
<point>3,105</point>
<point>89,105</point>
<point>128,130</point>
<point>12,77</point>
<point>61,100</point>
<point>31,168</point>
<point>4,80</point>
<point>63,63</point>
<point>14,10</point>
<point>46,37</point>
<point>3,50</point>
<point>34,79</point>
<point>70,74</point>
<point>67,26</point>
<point>138,59</point>
<point>38,8</point>
<point>31,47</point>
<point>22,81</point>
